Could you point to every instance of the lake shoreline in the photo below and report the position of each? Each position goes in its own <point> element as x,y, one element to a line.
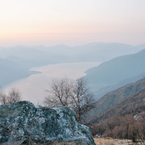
<point>33,87</point>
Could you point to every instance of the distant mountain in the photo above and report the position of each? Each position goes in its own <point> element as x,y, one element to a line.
<point>26,57</point>
<point>117,70</point>
<point>61,53</point>
<point>16,62</point>
<point>114,97</point>
<point>32,54</point>
<point>24,63</point>
<point>94,51</point>
<point>103,91</point>
<point>105,51</point>
<point>11,71</point>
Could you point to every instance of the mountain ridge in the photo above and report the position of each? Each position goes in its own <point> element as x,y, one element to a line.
<point>112,73</point>
<point>27,57</point>
<point>114,97</point>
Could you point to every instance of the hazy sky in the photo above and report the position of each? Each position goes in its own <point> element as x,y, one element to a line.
<point>71,22</point>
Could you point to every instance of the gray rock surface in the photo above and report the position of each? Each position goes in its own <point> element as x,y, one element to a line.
<point>23,123</point>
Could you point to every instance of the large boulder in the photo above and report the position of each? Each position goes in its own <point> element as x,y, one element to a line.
<point>22,123</point>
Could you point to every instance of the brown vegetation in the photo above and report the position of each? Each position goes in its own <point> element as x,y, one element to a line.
<point>125,120</point>
<point>134,104</point>
<point>121,127</point>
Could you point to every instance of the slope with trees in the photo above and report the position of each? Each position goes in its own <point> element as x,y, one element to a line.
<point>115,97</point>
<point>133,104</point>
<point>123,120</point>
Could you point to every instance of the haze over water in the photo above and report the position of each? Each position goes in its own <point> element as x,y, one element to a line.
<point>34,87</point>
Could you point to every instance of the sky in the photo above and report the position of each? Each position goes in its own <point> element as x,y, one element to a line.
<point>71,22</point>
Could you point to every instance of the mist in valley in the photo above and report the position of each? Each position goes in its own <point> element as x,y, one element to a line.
<point>31,69</point>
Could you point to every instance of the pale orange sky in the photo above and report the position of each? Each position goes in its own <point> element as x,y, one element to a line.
<point>71,22</point>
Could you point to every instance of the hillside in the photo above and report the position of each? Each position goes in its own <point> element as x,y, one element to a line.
<point>115,97</point>
<point>117,70</point>
<point>131,105</point>
<point>11,71</point>
<point>103,91</point>
<point>123,120</point>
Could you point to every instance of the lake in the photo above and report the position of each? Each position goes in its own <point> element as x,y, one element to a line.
<point>34,87</point>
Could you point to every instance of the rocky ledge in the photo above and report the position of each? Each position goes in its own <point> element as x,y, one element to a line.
<point>23,123</point>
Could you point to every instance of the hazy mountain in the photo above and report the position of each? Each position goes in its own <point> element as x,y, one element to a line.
<point>26,57</point>
<point>24,63</point>
<point>16,61</point>
<point>105,51</point>
<point>11,71</point>
<point>61,53</point>
<point>103,91</point>
<point>94,51</point>
<point>141,46</point>
<point>115,97</point>
<point>119,69</point>
<point>31,54</point>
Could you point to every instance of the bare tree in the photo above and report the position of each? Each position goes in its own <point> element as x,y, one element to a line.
<point>12,97</point>
<point>73,94</point>
<point>3,98</point>
<point>83,98</point>
<point>59,93</point>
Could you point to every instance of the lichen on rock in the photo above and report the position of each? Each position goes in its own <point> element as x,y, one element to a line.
<point>23,122</point>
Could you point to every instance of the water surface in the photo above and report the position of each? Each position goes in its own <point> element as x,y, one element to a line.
<point>34,87</point>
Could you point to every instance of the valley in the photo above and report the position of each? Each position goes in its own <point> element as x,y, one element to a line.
<point>115,82</point>
<point>33,88</point>
<point>72,72</point>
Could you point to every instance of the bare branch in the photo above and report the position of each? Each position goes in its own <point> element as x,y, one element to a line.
<point>3,98</point>
<point>73,94</point>
<point>13,97</point>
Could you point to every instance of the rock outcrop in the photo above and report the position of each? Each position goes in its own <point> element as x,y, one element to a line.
<point>23,123</point>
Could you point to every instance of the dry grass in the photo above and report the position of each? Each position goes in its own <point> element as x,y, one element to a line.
<point>111,141</point>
